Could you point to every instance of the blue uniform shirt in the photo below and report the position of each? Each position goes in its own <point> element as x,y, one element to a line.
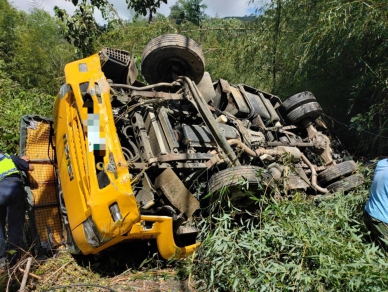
<point>377,205</point>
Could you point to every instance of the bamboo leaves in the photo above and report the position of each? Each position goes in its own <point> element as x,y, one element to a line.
<point>295,245</point>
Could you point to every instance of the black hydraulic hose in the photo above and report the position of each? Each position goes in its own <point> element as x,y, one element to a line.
<point>172,84</point>
<point>211,123</point>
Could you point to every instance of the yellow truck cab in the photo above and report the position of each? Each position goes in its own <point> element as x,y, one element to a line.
<point>95,183</point>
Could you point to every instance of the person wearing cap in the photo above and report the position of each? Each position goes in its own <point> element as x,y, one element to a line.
<point>376,208</point>
<point>12,205</point>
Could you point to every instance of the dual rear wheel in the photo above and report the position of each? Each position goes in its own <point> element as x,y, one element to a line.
<point>341,177</point>
<point>300,107</point>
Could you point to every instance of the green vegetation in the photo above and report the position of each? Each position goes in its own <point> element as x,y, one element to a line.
<point>291,246</point>
<point>336,49</point>
<point>189,10</point>
<point>17,102</point>
<point>32,56</point>
<point>145,7</point>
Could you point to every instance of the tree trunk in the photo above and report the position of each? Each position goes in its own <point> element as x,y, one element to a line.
<point>150,17</point>
<point>275,46</point>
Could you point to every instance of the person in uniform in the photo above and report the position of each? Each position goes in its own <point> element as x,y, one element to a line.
<point>376,208</point>
<point>12,206</point>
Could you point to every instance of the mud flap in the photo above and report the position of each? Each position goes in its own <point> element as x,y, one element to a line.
<point>169,184</point>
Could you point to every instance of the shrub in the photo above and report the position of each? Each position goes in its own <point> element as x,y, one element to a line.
<point>16,102</point>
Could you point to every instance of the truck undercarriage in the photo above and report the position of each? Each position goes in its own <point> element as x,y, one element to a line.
<point>140,161</point>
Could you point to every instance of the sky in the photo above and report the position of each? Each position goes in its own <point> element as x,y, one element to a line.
<point>220,8</point>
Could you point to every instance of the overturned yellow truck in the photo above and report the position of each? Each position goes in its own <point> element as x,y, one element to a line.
<point>134,161</point>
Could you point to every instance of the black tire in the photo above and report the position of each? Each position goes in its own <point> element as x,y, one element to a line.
<point>337,171</point>
<point>308,111</point>
<point>346,184</point>
<point>238,180</point>
<point>296,100</point>
<point>171,55</point>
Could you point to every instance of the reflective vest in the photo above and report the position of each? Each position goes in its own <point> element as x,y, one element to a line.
<point>7,166</point>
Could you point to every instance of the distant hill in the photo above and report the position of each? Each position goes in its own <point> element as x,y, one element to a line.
<point>243,18</point>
